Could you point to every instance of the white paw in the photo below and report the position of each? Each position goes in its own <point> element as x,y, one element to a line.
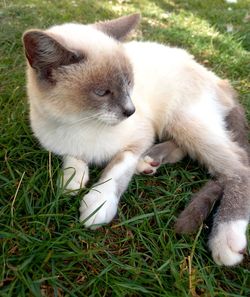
<point>147,165</point>
<point>99,206</point>
<point>229,242</point>
<point>73,181</point>
<point>75,178</point>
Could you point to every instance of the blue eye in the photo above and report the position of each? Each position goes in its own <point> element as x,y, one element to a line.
<point>102,93</point>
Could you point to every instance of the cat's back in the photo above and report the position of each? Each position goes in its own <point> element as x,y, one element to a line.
<point>171,73</point>
<point>156,57</point>
<point>169,80</point>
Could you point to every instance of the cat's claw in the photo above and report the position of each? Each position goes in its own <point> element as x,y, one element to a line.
<point>229,242</point>
<point>147,165</point>
<point>98,207</point>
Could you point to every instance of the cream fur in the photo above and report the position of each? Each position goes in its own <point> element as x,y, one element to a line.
<point>168,71</point>
<point>155,102</point>
<point>173,95</point>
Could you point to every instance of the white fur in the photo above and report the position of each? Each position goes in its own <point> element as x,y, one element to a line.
<point>228,244</point>
<point>76,173</point>
<point>103,196</point>
<point>106,194</point>
<point>90,141</point>
<point>128,162</point>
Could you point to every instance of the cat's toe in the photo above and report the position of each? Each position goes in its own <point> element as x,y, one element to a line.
<point>228,242</point>
<point>97,209</point>
<point>147,165</point>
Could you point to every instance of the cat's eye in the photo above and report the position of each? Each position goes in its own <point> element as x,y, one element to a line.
<point>102,93</point>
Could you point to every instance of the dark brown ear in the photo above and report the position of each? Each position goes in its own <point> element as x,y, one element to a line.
<point>119,28</point>
<point>44,53</point>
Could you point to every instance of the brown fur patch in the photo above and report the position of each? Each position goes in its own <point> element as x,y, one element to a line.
<point>73,90</point>
<point>237,123</point>
<point>119,28</point>
<point>44,53</point>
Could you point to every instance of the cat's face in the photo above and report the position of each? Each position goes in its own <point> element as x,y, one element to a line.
<point>75,82</point>
<point>97,90</point>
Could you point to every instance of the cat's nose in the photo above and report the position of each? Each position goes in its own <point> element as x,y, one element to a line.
<point>128,107</point>
<point>127,112</point>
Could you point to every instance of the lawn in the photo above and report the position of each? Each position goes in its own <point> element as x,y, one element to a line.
<point>45,251</point>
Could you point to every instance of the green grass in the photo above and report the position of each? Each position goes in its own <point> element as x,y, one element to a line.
<point>45,251</point>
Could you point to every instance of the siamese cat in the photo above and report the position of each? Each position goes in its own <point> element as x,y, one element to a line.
<point>95,99</point>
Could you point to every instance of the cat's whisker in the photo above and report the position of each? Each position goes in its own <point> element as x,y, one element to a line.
<point>84,120</point>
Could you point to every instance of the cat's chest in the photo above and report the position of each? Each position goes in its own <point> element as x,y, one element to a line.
<point>94,143</point>
<point>97,144</point>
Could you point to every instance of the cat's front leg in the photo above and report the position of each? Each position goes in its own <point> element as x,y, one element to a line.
<point>100,205</point>
<point>75,174</point>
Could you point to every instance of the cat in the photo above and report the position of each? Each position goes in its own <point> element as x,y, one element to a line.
<point>95,99</point>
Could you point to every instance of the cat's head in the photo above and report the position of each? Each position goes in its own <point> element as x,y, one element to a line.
<point>81,71</point>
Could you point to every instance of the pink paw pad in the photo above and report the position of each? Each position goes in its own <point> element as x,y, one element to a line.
<point>154,164</point>
<point>147,165</point>
<point>148,171</point>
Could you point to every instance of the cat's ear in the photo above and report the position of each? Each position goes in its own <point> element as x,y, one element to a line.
<point>44,53</point>
<point>119,28</point>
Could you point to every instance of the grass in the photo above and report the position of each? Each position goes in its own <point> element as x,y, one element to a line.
<point>45,251</point>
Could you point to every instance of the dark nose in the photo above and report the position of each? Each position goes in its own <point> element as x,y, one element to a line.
<point>128,111</point>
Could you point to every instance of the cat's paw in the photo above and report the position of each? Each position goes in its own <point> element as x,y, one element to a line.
<point>99,206</point>
<point>228,243</point>
<point>147,165</point>
<point>75,179</point>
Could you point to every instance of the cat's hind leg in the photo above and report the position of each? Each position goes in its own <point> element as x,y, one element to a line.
<point>201,131</point>
<point>159,154</point>
<point>228,240</point>
<point>200,206</point>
